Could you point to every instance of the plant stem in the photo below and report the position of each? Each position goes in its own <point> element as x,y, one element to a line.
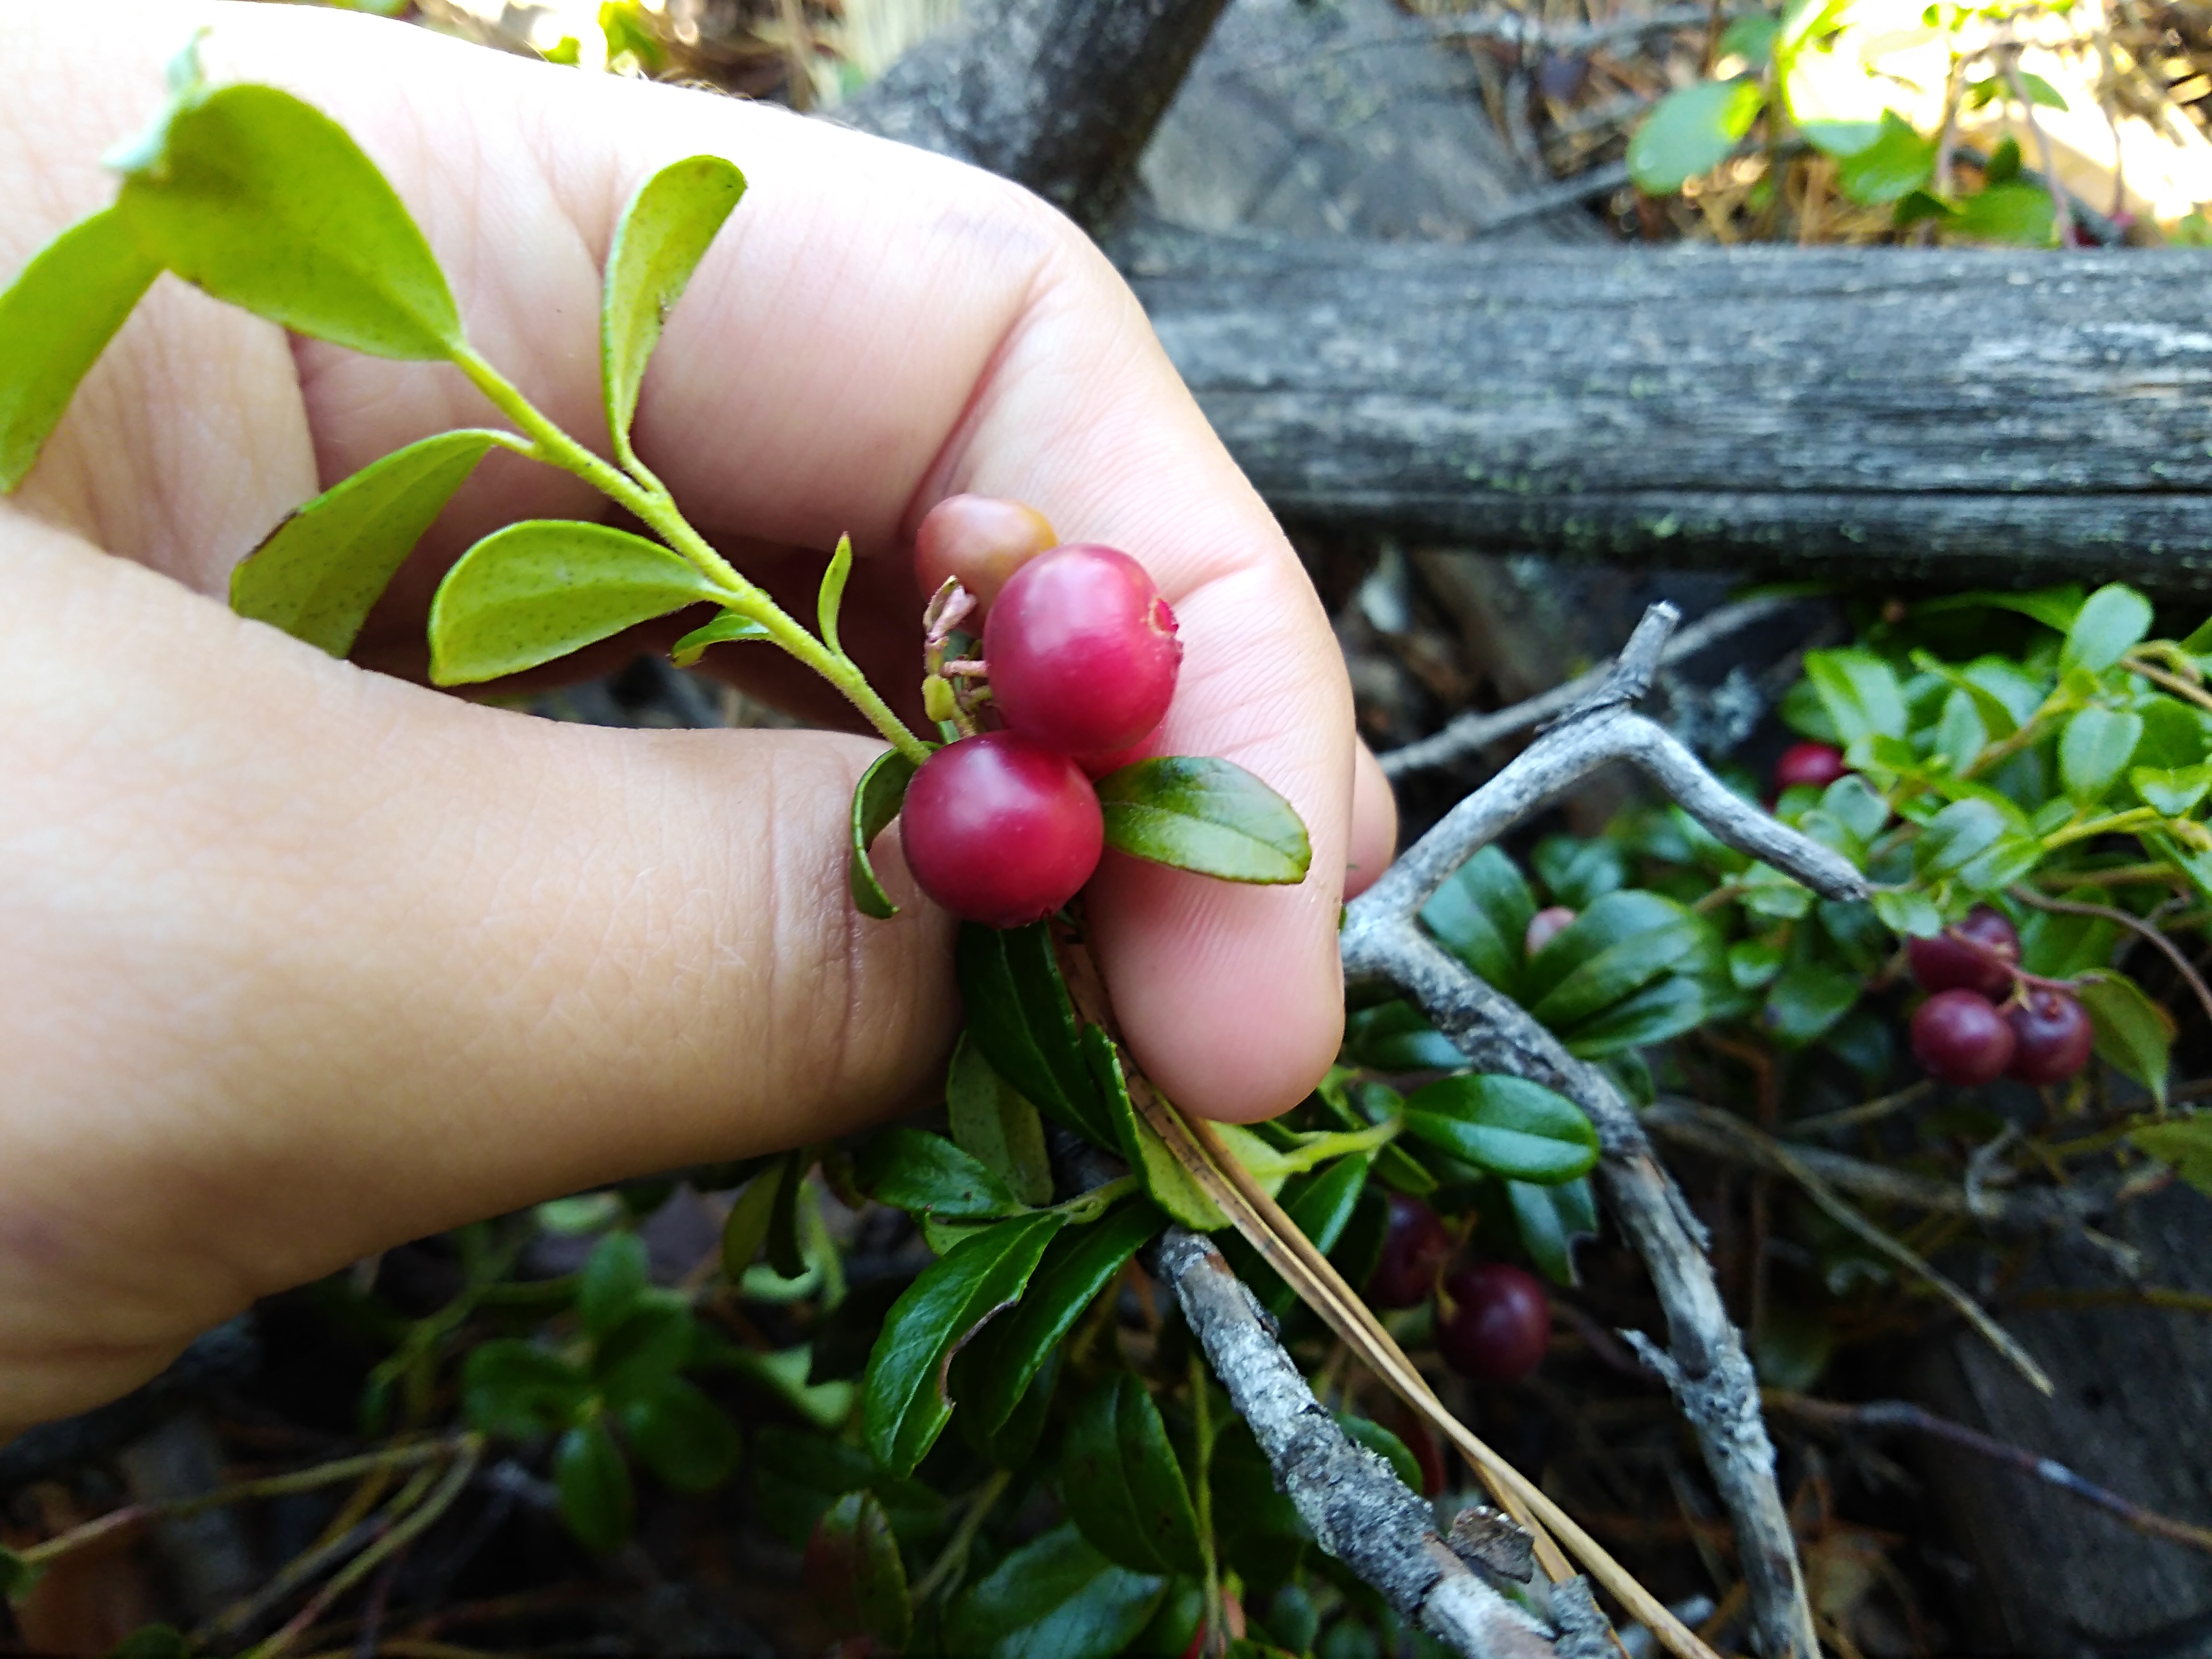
<point>1201,1415</point>
<point>954,1555</point>
<point>2110,824</point>
<point>1320,1148</point>
<point>658,509</point>
<point>1088,1206</point>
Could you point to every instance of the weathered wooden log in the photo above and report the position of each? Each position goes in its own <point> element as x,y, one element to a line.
<point>1963,418</point>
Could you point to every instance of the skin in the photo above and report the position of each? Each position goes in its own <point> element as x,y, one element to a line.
<point>304,959</point>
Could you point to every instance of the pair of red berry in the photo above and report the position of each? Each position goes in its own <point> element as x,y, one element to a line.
<point>1983,1021</point>
<point>1081,653</point>
<point>1499,1322</point>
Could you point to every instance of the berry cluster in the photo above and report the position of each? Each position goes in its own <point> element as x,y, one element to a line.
<point>1079,665</point>
<point>1495,1321</point>
<point>1987,1019</point>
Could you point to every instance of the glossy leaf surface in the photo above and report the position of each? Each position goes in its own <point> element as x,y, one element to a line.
<point>1020,1017</point>
<point>876,801</point>
<point>995,1126</point>
<point>682,1436</point>
<point>1506,1125</point>
<point>1120,1484</point>
<point>1193,812</point>
<point>729,628</point>
<point>1053,1598</point>
<point>1171,1185</point>
<point>927,1173</point>
<point>854,1573</point>
<point>596,1500</point>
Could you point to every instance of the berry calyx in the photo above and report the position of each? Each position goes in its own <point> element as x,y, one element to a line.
<point>1001,831</point>
<point>1816,765</point>
<point>1082,650</point>
<point>981,539</point>
<point>1500,1323</point>
<point>2051,1036</point>
<point>1414,1247</point>
<point>1978,954</point>
<point>1546,926</point>
<point>1960,1038</point>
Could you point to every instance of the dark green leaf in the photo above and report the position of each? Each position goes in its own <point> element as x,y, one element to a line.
<point>637,1358</point>
<point>1603,977</point>
<point>320,570</point>
<point>926,1174</point>
<point>18,1575</point>
<point>727,628</point>
<point>613,1278</point>
<point>2004,160</point>
<point>1393,1036</point>
<point>2185,1143</point>
<point>663,234</point>
<point>2059,945</point>
<point>1553,1220</point>
<point>1808,1000</point>
<point>746,1229</point>
<point>1120,1485</point>
<point>264,201</point>
<point>905,1407</point>
<point>1578,871</point>
<point>2134,1034</point>
<point>1481,914</point>
<point>1664,1009</point>
<point>1322,1205</point>
<point>1192,812</point>
<point>1172,1186</point>
<point>1754,962</point>
<point>854,1574</point>
<point>2094,749</point>
<point>1898,160</point>
<point>1053,1598</point>
<point>1385,1445</point>
<point>538,590</point>
<point>1691,131</point>
<point>1013,1443</point>
<point>1019,1015</point>
<point>833,592</point>
<point>876,801</point>
<point>785,1253</point>
<point>519,1389</point>
<point>682,1436</point>
<point>796,1475</point>
<point>1507,1125</point>
<point>55,320</point>
<point>995,1126</point>
<point>596,1499</point>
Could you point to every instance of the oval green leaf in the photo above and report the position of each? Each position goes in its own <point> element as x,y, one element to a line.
<point>1507,1125</point>
<point>925,1173</point>
<point>992,1124</point>
<point>1551,1220</point>
<point>746,1230</point>
<point>1055,1596</point>
<point>537,590</point>
<point>855,1574</point>
<point>2183,1142</point>
<point>320,570</point>
<point>664,234</point>
<point>2094,749</point>
<point>1171,1185</point>
<point>615,1275</point>
<point>1193,812</point>
<point>876,801</point>
<point>1121,1486</point>
<point>515,1388</point>
<point>264,201</point>
<point>1020,1017</point>
<point>2112,622</point>
<point>2134,1035</point>
<point>56,319</point>
<point>1691,131</point>
<point>682,1436</point>
<point>596,1499</point>
<point>729,626</point>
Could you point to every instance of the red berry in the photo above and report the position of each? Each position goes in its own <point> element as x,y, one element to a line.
<point>1082,650</point>
<point>1818,764</point>
<point>1544,927</point>
<point>1416,1245</point>
<point>1099,766</point>
<point>2051,1036</point>
<point>1001,831</point>
<point>1978,954</point>
<point>981,539</point>
<point>1501,1322</point>
<point>1960,1038</point>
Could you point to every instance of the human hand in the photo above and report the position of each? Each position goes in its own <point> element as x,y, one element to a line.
<point>304,960</point>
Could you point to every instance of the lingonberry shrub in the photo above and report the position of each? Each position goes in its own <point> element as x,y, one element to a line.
<point>1962,1038</point>
<point>1000,831</point>
<point>1081,650</point>
<point>1499,1325</point>
<point>1978,953</point>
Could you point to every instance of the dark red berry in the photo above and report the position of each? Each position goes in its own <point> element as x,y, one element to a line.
<point>1816,764</point>
<point>1001,831</point>
<point>1415,1247</point>
<point>1500,1323</point>
<point>1546,926</point>
<point>2051,1036</point>
<point>1960,1038</point>
<point>981,539</point>
<point>1099,766</point>
<point>1978,954</point>
<point>1082,651</point>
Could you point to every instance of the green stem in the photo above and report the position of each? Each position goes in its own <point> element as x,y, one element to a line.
<point>2110,824</point>
<point>1321,1148</point>
<point>1086,1207</point>
<point>654,506</point>
<point>1201,1416</point>
<point>951,1558</point>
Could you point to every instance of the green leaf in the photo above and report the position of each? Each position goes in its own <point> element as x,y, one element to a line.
<point>1615,920</point>
<point>1019,1016</point>
<point>2040,91</point>
<point>1577,871</point>
<point>2134,1035</point>
<point>519,1389</point>
<point>784,1254</point>
<point>1664,1009</point>
<point>926,1174</point>
<point>1553,1220</point>
<point>1691,131</point>
<point>56,319</point>
<point>2172,791</point>
<point>682,1436</point>
<point>1753,963</point>
<point>1393,1036</point>
<point>638,1356</point>
<point>1605,976</point>
<point>1322,1205</point>
<point>538,590</point>
<point>1808,1000</point>
<point>1053,1598</point>
<point>1908,911</point>
<point>992,1124</point>
<point>904,1404</point>
<point>854,1573</point>
<point>1192,812</point>
<point>2185,1143</point>
<point>2094,749</point>
<point>796,1475</point>
<point>1860,692</point>
<point>1481,914</point>
<point>728,628</point>
<point>1957,835</point>
<point>745,1231</point>
<point>1898,160</point>
<point>2113,620</point>
<point>1171,1185</point>
<point>18,1575</point>
<point>876,801</point>
<point>833,592</point>
<point>1361,1432</point>
<point>1750,37</point>
<point>663,234</point>
<point>1120,1485</point>
<point>614,1277</point>
<point>596,1499</point>
<point>1507,1125</point>
<point>319,572</point>
<point>2054,607</point>
<point>1075,1270</point>
<point>264,201</point>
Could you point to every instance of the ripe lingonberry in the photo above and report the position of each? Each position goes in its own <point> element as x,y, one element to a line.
<point>1500,1323</point>
<point>1546,926</point>
<point>2051,1036</point>
<point>1978,954</point>
<point>1960,1038</point>
<point>1818,764</point>
<point>1415,1246</point>
<point>981,539</point>
<point>1082,651</point>
<point>1001,831</point>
